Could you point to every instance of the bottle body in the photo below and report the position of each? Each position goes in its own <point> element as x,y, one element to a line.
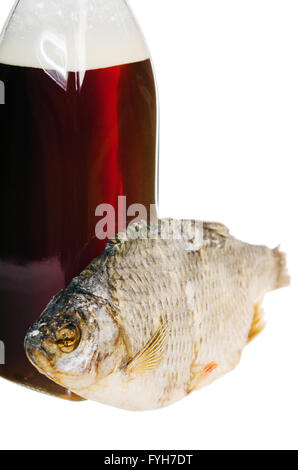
<point>78,133</point>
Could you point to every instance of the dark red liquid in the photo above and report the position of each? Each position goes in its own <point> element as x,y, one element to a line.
<point>64,152</point>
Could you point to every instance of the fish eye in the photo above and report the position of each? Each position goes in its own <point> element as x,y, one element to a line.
<point>68,338</point>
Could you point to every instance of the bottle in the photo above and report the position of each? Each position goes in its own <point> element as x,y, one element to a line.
<point>78,136</point>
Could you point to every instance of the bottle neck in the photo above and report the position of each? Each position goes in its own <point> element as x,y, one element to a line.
<point>78,36</point>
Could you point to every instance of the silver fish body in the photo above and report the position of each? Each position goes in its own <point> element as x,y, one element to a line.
<point>156,317</point>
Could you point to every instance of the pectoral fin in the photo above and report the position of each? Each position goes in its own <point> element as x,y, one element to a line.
<point>150,357</point>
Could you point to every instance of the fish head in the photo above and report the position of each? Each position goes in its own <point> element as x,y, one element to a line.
<point>76,341</point>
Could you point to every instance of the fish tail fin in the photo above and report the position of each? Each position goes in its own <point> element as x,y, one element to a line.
<point>282,279</point>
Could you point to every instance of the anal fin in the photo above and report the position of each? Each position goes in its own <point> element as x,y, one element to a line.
<point>258,323</point>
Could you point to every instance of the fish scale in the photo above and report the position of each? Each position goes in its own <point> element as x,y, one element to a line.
<point>179,351</point>
<point>169,315</point>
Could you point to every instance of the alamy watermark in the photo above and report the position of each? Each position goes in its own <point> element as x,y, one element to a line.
<point>2,353</point>
<point>2,92</point>
<point>144,225</point>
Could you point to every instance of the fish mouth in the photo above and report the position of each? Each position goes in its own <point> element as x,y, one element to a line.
<point>40,359</point>
<point>30,356</point>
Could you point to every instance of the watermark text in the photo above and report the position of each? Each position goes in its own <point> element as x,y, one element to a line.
<point>136,222</point>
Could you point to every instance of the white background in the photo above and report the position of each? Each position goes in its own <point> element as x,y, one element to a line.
<point>227,72</point>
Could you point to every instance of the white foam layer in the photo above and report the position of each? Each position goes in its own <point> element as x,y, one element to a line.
<point>72,35</point>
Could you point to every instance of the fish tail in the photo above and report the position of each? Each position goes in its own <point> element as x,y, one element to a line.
<point>282,277</point>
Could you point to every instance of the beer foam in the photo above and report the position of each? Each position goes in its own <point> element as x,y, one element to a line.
<point>72,35</point>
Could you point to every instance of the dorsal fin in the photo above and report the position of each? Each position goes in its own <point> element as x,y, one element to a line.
<point>194,233</point>
<point>215,234</point>
<point>218,228</point>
